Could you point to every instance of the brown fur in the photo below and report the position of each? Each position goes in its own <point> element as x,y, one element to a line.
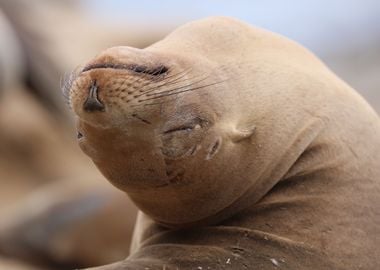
<point>247,144</point>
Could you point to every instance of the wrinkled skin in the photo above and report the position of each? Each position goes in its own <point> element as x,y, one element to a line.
<point>241,139</point>
<point>171,146</point>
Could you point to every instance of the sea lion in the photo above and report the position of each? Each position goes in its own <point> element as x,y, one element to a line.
<point>243,150</point>
<point>66,224</point>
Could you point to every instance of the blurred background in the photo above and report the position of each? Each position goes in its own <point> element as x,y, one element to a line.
<point>56,210</point>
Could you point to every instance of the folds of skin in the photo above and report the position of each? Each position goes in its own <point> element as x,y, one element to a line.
<point>294,182</point>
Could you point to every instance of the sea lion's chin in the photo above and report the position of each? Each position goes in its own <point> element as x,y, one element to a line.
<point>98,122</point>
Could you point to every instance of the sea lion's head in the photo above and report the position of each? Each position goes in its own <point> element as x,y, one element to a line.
<point>203,123</point>
<point>155,127</point>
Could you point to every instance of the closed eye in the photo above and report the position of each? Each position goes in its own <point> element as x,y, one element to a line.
<point>194,124</point>
<point>183,128</point>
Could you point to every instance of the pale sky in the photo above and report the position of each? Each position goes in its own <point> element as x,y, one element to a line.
<point>320,25</point>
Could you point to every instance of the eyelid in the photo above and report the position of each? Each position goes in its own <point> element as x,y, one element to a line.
<point>180,128</point>
<point>195,123</point>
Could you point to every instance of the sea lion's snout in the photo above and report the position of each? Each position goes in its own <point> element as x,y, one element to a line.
<point>92,103</point>
<point>108,91</point>
<point>105,97</point>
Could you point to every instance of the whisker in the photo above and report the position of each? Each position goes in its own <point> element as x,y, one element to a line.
<point>166,78</point>
<point>74,82</point>
<point>136,79</point>
<point>156,74</point>
<point>159,72</point>
<point>142,76</point>
<point>177,88</point>
<point>135,115</point>
<point>66,82</point>
<point>150,104</point>
<point>176,74</point>
<point>174,81</point>
<point>183,91</point>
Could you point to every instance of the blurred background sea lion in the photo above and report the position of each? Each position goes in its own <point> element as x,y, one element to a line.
<point>46,182</point>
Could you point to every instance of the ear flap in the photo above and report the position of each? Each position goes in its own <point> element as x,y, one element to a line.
<point>239,135</point>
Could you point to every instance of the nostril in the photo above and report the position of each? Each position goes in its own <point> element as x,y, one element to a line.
<point>79,135</point>
<point>91,105</point>
<point>92,102</point>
